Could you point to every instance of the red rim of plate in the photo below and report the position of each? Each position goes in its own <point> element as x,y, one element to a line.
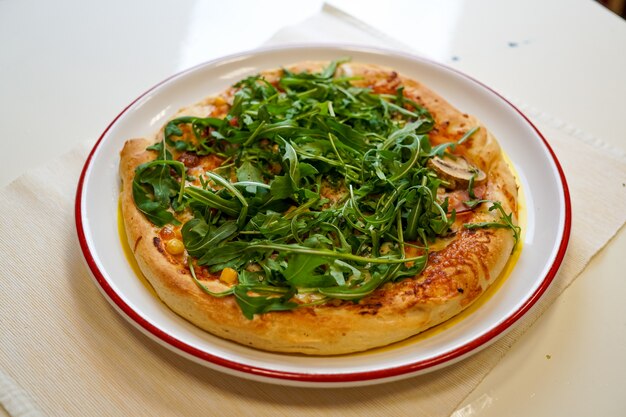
<point>380,374</point>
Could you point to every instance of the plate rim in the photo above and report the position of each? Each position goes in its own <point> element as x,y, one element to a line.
<point>278,376</point>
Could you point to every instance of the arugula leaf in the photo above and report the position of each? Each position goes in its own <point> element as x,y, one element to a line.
<point>155,190</point>
<point>248,172</point>
<point>339,268</point>
<point>439,150</point>
<point>255,300</point>
<point>282,187</point>
<point>301,271</point>
<point>200,128</point>
<point>199,236</point>
<point>505,222</point>
<point>210,199</point>
<point>355,293</point>
<point>154,211</point>
<point>202,286</point>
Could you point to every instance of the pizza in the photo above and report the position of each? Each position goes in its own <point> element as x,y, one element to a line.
<point>319,208</point>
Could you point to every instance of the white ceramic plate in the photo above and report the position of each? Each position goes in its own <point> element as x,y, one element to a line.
<point>545,237</point>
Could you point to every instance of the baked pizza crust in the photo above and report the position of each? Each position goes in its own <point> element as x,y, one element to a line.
<point>454,277</point>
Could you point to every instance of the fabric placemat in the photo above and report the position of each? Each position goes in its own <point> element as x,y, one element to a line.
<point>64,351</point>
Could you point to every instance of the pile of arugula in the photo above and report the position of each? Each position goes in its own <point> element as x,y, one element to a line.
<point>331,186</point>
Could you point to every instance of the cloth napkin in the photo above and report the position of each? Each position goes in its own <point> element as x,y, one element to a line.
<point>64,351</point>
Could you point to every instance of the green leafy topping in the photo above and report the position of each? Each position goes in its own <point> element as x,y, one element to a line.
<point>323,187</point>
<point>505,221</point>
<point>155,190</point>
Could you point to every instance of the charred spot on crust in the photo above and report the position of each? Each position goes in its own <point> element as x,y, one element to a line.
<point>364,312</point>
<point>137,243</point>
<point>158,244</point>
<point>370,308</point>
<point>410,292</point>
<point>460,290</point>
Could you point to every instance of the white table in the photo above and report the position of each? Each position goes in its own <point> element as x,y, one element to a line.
<point>68,67</point>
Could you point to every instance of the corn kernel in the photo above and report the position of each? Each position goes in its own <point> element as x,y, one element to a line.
<point>218,101</point>
<point>385,248</point>
<point>228,276</point>
<point>174,247</point>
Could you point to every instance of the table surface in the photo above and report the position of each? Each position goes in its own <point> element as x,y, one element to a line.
<point>68,67</point>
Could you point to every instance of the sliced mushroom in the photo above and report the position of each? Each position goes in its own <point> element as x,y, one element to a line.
<point>456,171</point>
